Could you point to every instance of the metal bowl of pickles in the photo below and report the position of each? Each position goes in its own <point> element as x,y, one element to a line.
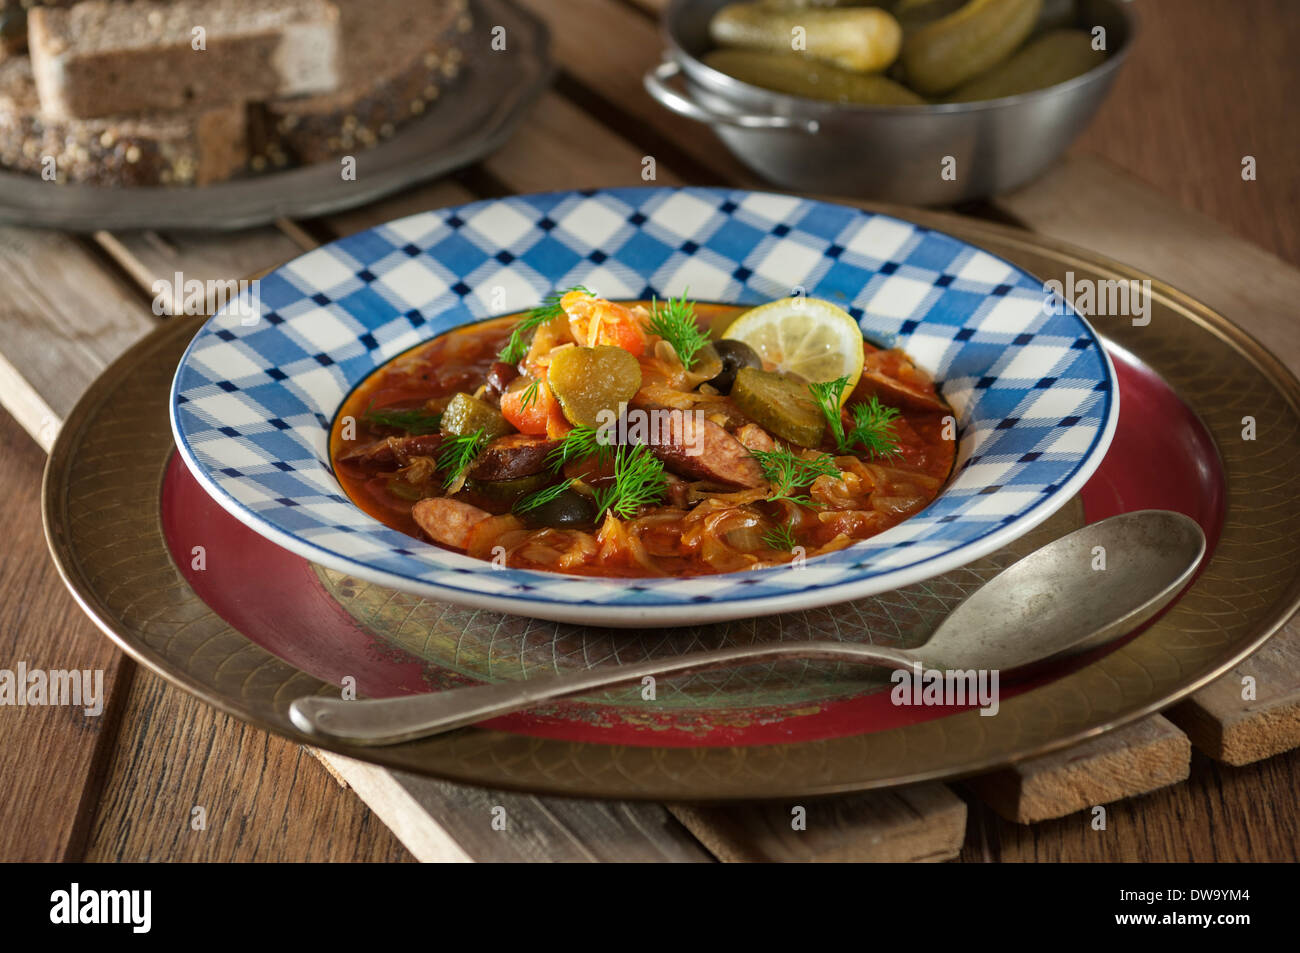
<point>925,102</point>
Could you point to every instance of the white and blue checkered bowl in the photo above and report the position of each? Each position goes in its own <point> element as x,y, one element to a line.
<point>1033,390</point>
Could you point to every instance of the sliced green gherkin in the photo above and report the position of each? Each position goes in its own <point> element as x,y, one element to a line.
<point>466,414</point>
<point>781,406</point>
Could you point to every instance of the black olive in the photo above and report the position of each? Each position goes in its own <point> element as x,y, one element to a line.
<point>500,376</point>
<point>735,355</point>
<point>569,510</point>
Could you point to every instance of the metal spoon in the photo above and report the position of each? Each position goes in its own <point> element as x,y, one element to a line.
<point>1054,602</point>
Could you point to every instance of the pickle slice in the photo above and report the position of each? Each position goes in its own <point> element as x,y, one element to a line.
<point>781,406</point>
<point>592,381</point>
<point>466,414</point>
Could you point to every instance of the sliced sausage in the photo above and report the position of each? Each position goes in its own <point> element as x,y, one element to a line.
<point>448,521</point>
<point>511,457</point>
<point>892,378</point>
<point>695,447</point>
<point>392,452</point>
<point>754,437</point>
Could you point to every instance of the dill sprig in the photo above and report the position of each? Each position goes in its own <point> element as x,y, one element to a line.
<point>639,479</point>
<point>872,420</point>
<point>521,336</point>
<point>529,396</point>
<point>533,500</point>
<point>415,422</point>
<point>827,394</point>
<point>458,453</point>
<point>873,424</point>
<point>781,538</point>
<point>674,321</point>
<point>578,444</point>
<point>788,472</point>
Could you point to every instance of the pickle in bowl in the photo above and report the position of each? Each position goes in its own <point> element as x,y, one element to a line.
<point>796,75</point>
<point>1053,58</point>
<point>954,49</point>
<point>863,40</point>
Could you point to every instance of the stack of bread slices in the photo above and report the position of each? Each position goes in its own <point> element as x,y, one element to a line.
<point>190,92</point>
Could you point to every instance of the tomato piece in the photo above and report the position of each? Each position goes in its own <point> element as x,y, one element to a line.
<point>534,418</point>
<point>595,321</point>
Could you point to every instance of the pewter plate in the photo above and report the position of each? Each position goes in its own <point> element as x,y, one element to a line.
<point>491,98</point>
<point>102,512</point>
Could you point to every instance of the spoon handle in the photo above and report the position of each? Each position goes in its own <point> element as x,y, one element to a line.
<point>385,721</point>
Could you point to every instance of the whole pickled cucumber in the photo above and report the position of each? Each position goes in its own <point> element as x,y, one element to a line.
<point>1056,15</point>
<point>914,14</point>
<point>946,53</point>
<point>1052,58</point>
<point>864,40</point>
<point>797,75</point>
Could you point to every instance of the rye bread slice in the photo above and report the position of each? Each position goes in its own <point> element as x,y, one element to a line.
<point>192,147</point>
<point>398,58</point>
<point>101,58</point>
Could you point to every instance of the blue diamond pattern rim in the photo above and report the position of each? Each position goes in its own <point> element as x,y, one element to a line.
<point>1031,386</point>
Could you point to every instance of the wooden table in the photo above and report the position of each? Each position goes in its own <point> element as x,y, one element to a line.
<point>1208,84</point>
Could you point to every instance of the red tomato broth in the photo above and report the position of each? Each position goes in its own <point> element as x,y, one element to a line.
<point>460,360</point>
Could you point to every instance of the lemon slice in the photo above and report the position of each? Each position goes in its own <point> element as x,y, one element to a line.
<point>805,336</point>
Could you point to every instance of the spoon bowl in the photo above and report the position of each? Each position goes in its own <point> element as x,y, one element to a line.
<point>1074,594</point>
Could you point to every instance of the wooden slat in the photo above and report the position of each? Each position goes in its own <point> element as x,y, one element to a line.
<point>562,147</point>
<point>923,822</point>
<point>1125,763</point>
<point>1239,730</point>
<point>606,48</point>
<point>62,319</point>
<point>1221,815</point>
<point>51,758</point>
<point>443,822</point>
<point>205,256</point>
<point>263,798</point>
<point>1095,205</point>
<point>1183,132</point>
<point>439,194</point>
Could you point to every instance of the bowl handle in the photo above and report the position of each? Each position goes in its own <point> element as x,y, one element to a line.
<point>656,84</point>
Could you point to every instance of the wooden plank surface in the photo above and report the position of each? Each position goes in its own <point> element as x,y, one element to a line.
<point>1095,205</point>
<point>260,797</point>
<point>45,802</point>
<point>1182,129</point>
<point>63,316</point>
<point>1253,712</point>
<point>1125,763</point>
<point>921,823</point>
<point>443,822</point>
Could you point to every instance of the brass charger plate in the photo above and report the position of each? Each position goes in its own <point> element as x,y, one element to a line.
<point>102,503</point>
<point>475,119</point>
